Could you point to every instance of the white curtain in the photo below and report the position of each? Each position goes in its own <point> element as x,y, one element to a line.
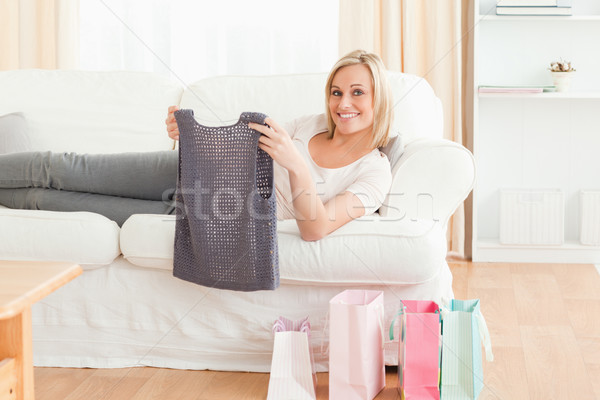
<point>193,39</point>
<point>39,34</point>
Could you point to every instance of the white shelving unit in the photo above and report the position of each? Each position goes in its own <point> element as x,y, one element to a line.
<point>535,141</point>
<point>572,18</point>
<point>543,96</point>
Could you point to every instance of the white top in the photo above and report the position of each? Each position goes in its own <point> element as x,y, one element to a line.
<point>369,177</point>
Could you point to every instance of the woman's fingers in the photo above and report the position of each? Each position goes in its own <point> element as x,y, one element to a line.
<point>271,122</point>
<point>173,130</point>
<point>267,141</point>
<point>270,145</point>
<point>171,114</point>
<point>171,122</point>
<point>265,130</point>
<point>174,134</point>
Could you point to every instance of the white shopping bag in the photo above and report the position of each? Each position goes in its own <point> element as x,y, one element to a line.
<point>292,367</point>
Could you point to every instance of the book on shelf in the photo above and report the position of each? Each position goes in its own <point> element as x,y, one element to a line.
<point>534,3</point>
<point>516,89</point>
<point>562,11</point>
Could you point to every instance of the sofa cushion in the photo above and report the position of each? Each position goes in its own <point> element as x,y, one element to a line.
<point>417,111</point>
<point>90,111</point>
<point>79,237</point>
<point>14,136</point>
<point>370,250</point>
<point>147,240</point>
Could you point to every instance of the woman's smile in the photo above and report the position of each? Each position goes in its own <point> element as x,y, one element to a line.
<point>348,115</point>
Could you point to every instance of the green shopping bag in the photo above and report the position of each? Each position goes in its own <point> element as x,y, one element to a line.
<point>463,331</point>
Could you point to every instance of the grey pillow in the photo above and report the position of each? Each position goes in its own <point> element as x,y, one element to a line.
<point>14,136</point>
<point>393,150</point>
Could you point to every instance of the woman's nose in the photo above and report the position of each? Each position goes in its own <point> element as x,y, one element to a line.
<point>345,101</point>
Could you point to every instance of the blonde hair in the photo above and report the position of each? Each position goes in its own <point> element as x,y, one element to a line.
<point>383,110</point>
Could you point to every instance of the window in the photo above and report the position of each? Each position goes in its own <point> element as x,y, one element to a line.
<point>191,40</point>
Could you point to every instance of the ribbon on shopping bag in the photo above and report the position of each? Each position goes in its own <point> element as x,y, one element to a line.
<point>280,325</point>
<point>283,324</point>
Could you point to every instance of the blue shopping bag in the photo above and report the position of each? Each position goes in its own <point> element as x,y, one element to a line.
<point>463,332</point>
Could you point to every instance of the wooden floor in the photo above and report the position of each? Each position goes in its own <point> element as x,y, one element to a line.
<point>544,321</point>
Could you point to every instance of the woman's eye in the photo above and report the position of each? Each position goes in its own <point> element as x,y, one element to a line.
<point>336,93</point>
<point>358,92</point>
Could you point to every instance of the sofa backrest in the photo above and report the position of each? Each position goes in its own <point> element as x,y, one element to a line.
<point>91,112</point>
<point>221,100</point>
<point>119,111</point>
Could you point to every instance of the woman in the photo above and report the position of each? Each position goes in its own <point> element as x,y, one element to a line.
<point>328,169</point>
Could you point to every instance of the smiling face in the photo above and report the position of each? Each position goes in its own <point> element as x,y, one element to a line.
<point>351,100</point>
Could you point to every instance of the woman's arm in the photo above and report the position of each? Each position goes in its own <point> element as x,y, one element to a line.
<point>315,219</point>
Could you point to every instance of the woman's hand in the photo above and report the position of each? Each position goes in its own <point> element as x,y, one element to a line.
<point>172,128</point>
<point>278,144</point>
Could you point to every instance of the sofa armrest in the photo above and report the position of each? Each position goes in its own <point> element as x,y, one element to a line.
<point>430,180</point>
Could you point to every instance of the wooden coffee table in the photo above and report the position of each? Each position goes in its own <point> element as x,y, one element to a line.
<point>22,283</point>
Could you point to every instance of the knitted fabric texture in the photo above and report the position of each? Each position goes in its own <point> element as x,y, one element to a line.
<point>225,233</point>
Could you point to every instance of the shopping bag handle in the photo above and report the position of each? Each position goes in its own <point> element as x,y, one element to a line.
<point>398,313</point>
<point>445,306</point>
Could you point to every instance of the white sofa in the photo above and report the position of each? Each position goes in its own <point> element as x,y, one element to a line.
<point>127,309</point>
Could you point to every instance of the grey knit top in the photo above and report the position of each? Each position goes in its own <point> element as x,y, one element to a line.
<point>225,232</point>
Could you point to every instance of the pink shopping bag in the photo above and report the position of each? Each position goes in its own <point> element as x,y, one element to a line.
<point>293,374</point>
<point>419,350</point>
<point>356,338</point>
